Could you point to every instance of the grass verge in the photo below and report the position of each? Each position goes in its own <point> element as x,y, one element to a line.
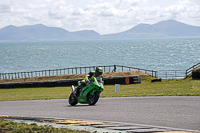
<point>183,87</point>
<point>12,127</point>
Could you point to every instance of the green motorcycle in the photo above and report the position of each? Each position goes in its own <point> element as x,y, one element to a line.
<point>88,94</point>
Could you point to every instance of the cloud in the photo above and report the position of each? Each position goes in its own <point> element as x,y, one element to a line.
<point>100,15</point>
<point>184,11</point>
<point>4,8</point>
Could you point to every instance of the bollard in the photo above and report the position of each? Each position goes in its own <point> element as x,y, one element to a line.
<point>117,87</point>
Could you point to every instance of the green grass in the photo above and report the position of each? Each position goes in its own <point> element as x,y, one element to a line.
<point>183,87</point>
<point>12,127</point>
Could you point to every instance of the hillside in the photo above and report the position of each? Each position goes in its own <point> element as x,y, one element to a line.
<point>164,29</point>
<point>64,77</point>
<point>40,32</point>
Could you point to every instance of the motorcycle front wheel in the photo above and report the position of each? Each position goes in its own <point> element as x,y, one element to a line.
<point>72,100</point>
<point>92,99</point>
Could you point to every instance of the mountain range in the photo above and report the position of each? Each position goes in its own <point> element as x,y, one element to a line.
<point>40,32</point>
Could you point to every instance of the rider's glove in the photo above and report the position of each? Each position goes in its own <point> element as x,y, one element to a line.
<point>79,83</point>
<point>87,81</point>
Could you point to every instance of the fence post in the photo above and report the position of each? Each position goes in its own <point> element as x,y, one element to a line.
<point>186,73</point>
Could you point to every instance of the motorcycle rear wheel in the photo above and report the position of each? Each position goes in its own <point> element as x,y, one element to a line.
<point>92,99</point>
<point>72,100</point>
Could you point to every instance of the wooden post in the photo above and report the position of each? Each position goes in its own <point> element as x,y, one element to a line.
<point>114,70</point>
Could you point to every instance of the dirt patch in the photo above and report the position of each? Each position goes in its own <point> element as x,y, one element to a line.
<point>64,77</point>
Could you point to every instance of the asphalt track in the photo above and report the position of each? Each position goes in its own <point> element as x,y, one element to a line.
<point>168,111</point>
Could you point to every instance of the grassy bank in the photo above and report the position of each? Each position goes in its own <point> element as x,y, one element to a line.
<point>11,127</point>
<point>64,77</point>
<point>184,87</point>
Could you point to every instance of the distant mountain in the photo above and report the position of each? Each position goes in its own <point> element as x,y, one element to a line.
<point>164,29</point>
<point>39,32</point>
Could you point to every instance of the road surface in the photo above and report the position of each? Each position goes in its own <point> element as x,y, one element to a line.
<point>168,111</point>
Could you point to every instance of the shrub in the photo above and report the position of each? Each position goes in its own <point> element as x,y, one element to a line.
<point>196,73</point>
<point>196,70</point>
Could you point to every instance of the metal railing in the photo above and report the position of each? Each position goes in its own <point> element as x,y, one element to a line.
<point>189,70</point>
<point>171,74</point>
<point>127,68</point>
<point>71,71</point>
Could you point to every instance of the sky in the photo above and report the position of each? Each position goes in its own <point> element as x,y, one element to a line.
<point>102,16</point>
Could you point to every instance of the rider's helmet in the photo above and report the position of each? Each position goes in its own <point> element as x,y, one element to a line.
<point>98,71</point>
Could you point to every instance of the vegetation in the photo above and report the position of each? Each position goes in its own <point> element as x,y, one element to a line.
<point>183,87</point>
<point>11,127</point>
<point>64,77</point>
<point>196,70</point>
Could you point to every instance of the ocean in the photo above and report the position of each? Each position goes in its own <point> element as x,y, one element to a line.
<point>152,54</point>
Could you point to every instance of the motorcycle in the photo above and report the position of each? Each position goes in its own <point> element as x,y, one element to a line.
<point>88,94</point>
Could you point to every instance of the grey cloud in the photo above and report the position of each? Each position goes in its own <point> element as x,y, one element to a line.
<point>55,15</point>
<point>4,9</point>
<point>106,13</point>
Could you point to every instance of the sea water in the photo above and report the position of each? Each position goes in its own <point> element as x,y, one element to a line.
<point>152,54</point>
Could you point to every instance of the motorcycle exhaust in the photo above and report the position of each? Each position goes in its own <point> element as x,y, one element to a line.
<point>73,89</point>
